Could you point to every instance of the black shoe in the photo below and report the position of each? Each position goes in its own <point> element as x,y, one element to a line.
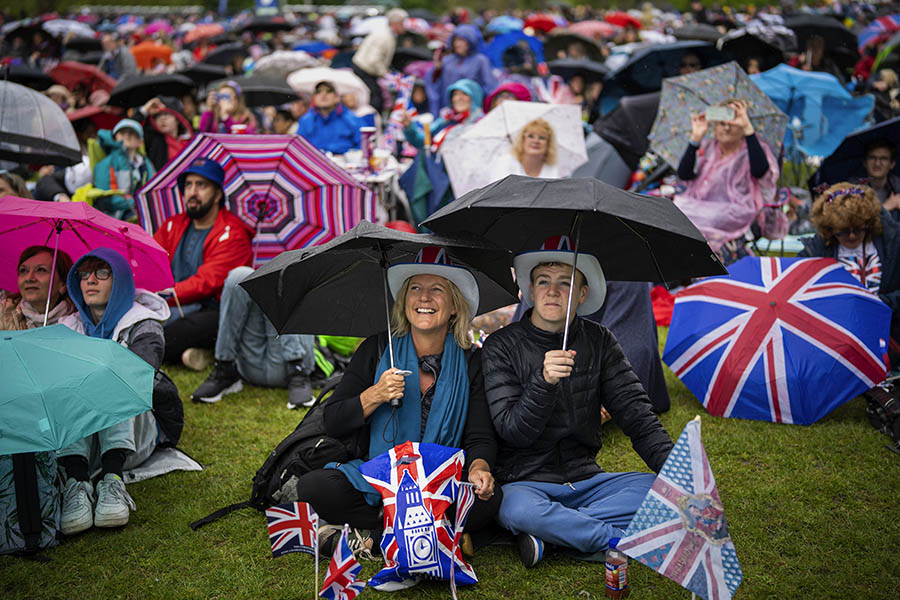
<point>223,380</point>
<point>299,388</point>
<point>531,549</point>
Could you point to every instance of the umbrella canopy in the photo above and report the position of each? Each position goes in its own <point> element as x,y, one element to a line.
<point>695,92</point>
<point>604,163</point>
<point>78,228</point>
<point>785,340</point>
<point>138,89</point>
<point>698,31</point>
<point>344,81</point>
<point>622,19</point>
<point>767,43</point>
<point>880,30</point>
<point>27,76</point>
<point>161,26</point>
<point>203,73</point>
<point>338,288</point>
<point>505,49</point>
<point>469,156</point>
<point>225,54</point>
<point>91,57</point>
<point>267,24</point>
<point>505,24</point>
<point>72,74</point>
<point>567,44</point>
<point>821,111</point>
<point>595,29</point>
<point>545,22</point>
<point>567,68</point>
<point>281,186</point>
<point>627,127</point>
<point>635,237</point>
<point>60,386</point>
<point>404,56</point>
<point>104,117</point>
<point>834,32</point>
<point>84,44</point>
<point>644,71</point>
<point>147,52</point>
<point>282,63</point>
<point>203,31</point>
<point>64,27</point>
<point>34,129</point>
<point>263,90</point>
<point>846,163</point>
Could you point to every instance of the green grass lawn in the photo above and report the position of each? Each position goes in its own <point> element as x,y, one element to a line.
<point>813,512</point>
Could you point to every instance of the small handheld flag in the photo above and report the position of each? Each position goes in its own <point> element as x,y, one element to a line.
<point>293,528</point>
<point>340,580</point>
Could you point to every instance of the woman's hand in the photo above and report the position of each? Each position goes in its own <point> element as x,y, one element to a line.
<point>480,475</point>
<point>699,125</point>
<point>405,119</point>
<point>741,118</point>
<point>389,386</point>
<point>152,106</point>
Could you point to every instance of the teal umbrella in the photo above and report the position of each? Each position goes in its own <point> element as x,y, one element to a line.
<point>60,386</point>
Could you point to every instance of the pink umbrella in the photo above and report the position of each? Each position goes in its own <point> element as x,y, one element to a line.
<point>595,29</point>
<point>77,228</point>
<point>159,26</point>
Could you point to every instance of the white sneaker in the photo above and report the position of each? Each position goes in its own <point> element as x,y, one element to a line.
<point>77,508</point>
<point>396,586</point>
<point>113,502</point>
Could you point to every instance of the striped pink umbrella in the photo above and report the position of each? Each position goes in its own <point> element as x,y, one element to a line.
<point>284,188</point>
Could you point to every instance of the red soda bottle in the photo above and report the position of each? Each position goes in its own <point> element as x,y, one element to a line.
<point>616,571</point>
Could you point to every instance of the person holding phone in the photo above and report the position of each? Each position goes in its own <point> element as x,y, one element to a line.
<point>226,112</point>
<point>440,399</point>
<point>729,176</point>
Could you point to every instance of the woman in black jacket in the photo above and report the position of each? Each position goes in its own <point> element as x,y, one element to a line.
<point>433,393</point>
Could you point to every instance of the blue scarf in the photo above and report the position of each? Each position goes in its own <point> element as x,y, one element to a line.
<point>446,420</point>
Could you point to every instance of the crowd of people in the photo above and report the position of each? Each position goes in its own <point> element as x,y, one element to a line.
<point>531,459</point>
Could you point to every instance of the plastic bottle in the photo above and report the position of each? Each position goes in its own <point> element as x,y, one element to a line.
<point>616,571</point>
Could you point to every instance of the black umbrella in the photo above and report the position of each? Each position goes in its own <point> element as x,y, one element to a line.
<point>628,125</point>
<point>830,29</point>
<point>340,287</point>
<point>202,73</point>
<point>648,66</point>
<point>34,129</point>
<point>567,68</point>
<point>846,162</point>
<point>567,41</point>
<point>698,31</point>
<point>257,90</point>
<point>27,76</point>
<point>411,39</point>
<point>138,89</point>
<point>84,44</point>
<point>267,24</point>
<point>91,57</point>
<point>766,43</point>
<point>225,54</point>
<point>404,56</point>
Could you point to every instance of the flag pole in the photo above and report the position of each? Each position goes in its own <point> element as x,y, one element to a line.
<point>316,550</point>
<point>576,225</point>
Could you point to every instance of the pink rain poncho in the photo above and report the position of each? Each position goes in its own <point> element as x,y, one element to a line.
<point>724,198</point>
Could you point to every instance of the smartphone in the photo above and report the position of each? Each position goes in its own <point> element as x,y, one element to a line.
<point>403,372</point>
<point>719,113</point>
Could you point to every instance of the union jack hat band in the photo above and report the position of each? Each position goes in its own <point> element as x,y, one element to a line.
<point>558,249</point>
<point>434,260</point>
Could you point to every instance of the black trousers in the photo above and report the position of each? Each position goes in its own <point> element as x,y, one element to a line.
<point>376,98</point>
<point>195,330</point>
<point>337,501</point>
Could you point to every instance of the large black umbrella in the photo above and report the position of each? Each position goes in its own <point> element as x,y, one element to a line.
<point>91,57</point>
<point>698,31</point>
<point>635,237</point>
<point>264,91</point>
<point>27,76</point>
<point>835,34</point>
<point>137,89</point>
<point>225,54</point>
<point>570,43</point>
<point>846,162</point>
<point>34,129</point>
<point>203,73</point>
<point>628,125</point>
<point>83,44</point>
<point>267,24</point>
<point>338,288</point>
<point>567,68</point>
<point>404,56</point>
<point>767,43</point>
<point>647,67</point>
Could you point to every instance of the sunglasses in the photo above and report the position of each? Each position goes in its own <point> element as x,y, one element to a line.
<point>101,274</point>
<point>853,231</point>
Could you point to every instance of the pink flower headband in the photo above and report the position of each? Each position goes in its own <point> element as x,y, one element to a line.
<point>853,191</point>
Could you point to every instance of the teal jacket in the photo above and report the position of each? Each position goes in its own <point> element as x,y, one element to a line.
<point>415,134</point>
<point>116,172</point>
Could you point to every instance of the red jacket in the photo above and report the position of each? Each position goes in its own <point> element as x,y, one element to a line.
<point>228,245</point>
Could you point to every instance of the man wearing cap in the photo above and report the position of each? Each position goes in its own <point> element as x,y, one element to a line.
<point>124,168</point>
<point>204,242</point>
<point>117,60</point>
<point>545,404</point>
<point>329,125</point>
<point>373,57</point>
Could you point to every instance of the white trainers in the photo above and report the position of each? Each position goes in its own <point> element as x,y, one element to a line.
<point>113,502</point>
<point>77,508</point>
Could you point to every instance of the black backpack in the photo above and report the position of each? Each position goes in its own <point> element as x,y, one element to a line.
<point>883,408</point>
<point>305,449</point>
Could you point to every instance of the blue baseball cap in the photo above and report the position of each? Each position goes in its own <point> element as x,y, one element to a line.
<point>205,167</point>
<point>129,124</point>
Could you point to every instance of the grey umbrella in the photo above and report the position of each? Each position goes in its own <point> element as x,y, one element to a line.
<point>34,129</point>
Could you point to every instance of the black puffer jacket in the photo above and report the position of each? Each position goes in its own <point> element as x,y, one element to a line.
<point>552,432</point>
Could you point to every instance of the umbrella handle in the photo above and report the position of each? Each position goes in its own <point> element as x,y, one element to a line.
<point>576,225</point>
<point>52,271</point>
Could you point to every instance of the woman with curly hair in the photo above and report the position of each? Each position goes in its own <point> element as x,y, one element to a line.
<point>532,154</point>
<point>854,229</point>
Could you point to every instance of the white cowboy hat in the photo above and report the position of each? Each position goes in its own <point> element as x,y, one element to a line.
<point>558,249</point>
<point>433,260</point>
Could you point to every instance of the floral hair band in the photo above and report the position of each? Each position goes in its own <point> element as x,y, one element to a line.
<point>853,191</point>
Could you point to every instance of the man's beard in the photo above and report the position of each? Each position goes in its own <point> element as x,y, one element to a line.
<point>200,211</point>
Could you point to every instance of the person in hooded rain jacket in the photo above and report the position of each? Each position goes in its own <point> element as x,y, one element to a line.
<point>464,62</point>
<point>166,130</point>
<point>124,168</point>
<point>102,288</point>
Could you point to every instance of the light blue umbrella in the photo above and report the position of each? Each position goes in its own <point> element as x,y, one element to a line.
<point>821,112</point>
<point>60,386</point>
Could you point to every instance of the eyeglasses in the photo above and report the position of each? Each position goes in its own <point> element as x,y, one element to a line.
<point>879,158</point>
<point>852,231</point>
<point>101,274</point>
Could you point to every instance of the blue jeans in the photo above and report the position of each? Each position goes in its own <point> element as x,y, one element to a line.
<point>247,337</point>
<point>581,515</point>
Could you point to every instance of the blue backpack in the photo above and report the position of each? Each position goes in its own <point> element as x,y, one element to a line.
<point>30,502</point>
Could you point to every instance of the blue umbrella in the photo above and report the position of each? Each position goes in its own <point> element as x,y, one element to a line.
<point>505,24</point>
<point>821,112</point>
<point>785,340</point>
<point>60,386</point>
<point>501,43</point>
<point>846,162</point>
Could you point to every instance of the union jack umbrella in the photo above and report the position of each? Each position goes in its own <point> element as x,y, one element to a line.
<point>418,483</point>
<point>340,579</point>
<point>785,340</point>
<point>293,527</point>
<point>680,530</point>
<point>878,31</point>
<point>281,186</point>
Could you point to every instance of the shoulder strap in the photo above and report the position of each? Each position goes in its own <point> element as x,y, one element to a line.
<point>28,501</point>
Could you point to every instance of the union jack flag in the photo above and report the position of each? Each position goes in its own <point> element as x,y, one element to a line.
<point>340,580</point>
<point>418,483</point>
<point>402,85</point>
<point>552,90</point>
<point>679,529</point>
<point>293,528</point>
<point>784,340</point>
<point>465,498</point>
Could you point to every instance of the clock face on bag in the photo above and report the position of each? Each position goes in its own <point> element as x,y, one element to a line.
<point>422,548</point>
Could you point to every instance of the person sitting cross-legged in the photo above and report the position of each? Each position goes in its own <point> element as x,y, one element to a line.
<point>545,404</point>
